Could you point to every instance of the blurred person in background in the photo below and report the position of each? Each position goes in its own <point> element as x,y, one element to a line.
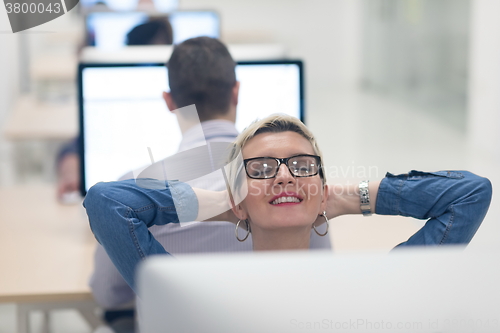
<point>157,31</point>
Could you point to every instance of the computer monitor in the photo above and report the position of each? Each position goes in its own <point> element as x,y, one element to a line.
<point>108,30</point>
<point>163,6</point>
<point>123,115</point>
<point>430,290</point>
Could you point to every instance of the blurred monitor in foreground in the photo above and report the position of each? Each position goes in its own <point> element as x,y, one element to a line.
<point>413,290</point>
<point>110,30</point>
<point>122,111</point>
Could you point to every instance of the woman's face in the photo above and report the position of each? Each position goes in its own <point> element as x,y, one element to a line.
<point>285,200</point>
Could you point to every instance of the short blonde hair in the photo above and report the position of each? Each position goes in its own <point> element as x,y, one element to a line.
<point>275,123</point>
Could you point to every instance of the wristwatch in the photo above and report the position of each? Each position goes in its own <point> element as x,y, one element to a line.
<point>364,198</point>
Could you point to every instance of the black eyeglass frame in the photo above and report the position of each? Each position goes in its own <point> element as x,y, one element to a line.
<point>285,162</point>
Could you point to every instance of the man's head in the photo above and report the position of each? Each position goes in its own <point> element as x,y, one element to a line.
<point>154,32</point>
<point>201,72</point>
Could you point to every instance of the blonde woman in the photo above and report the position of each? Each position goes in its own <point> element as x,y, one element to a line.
<point>278,193</point>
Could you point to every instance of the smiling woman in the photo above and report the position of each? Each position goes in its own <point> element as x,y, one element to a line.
<point>285,182</point>
<point>282,195</point>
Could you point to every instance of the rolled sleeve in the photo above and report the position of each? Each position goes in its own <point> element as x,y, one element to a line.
<point>185,201</point>
<point>454,202</point>
<point>120,214</point>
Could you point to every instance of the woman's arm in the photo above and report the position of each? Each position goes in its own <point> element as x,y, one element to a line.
<point>454,202</point>
<point>344,199</point>
<point>214,206</point>
<point>121,212</point>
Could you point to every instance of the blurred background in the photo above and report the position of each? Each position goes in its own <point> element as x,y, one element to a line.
<point>390,85</point>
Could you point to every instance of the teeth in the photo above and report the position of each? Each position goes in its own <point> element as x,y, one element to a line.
<point>285,199</point>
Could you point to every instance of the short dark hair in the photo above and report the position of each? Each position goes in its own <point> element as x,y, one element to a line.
<point>201,72</point>
<point>156,31</point>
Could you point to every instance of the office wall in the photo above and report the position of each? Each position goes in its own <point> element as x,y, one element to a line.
<point>484,86</point>
<point>417,51</point>
<point>9,88</point>
<point>324,33</point>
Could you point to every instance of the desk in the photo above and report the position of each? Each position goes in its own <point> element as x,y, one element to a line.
<point>54,66</point>
<point>46,253</point>
<point>31,119</point>
<point>160,53</point>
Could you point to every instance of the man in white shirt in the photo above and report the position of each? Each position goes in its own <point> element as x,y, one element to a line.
<point>201,72</point>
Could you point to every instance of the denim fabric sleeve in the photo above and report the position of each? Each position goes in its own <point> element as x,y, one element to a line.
<point>454,202</point>
<point>121,212</point>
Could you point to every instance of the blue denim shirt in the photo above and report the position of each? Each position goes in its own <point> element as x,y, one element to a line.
<point>454,202</point>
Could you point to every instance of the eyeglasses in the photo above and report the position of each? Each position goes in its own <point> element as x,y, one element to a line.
<point>267,167</point>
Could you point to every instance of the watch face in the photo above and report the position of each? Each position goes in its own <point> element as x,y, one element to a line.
<point>364,198</point>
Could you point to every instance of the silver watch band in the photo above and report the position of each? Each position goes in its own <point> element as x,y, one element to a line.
<point>364,198</point>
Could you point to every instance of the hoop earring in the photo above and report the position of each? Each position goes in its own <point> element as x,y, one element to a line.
<point>327,225</point>
<point>236,231</point>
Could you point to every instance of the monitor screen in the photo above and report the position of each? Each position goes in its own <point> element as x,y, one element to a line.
<point>436,289</point>
<point>163,6</point>
<point>123,116</point>
<point>108,30</point>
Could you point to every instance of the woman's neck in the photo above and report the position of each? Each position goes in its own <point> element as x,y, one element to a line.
<point>280,239</point>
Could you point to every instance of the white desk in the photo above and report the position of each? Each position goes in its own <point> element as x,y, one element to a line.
<point>55,66</point>
<point>161,53</point>
<point>46,254</point>
<point>31,119</point>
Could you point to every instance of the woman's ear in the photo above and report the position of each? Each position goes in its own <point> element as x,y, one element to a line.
<point>240,211</point>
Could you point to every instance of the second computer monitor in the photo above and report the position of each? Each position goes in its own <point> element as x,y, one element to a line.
<point>108,30</point>
<point>124,120</point>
